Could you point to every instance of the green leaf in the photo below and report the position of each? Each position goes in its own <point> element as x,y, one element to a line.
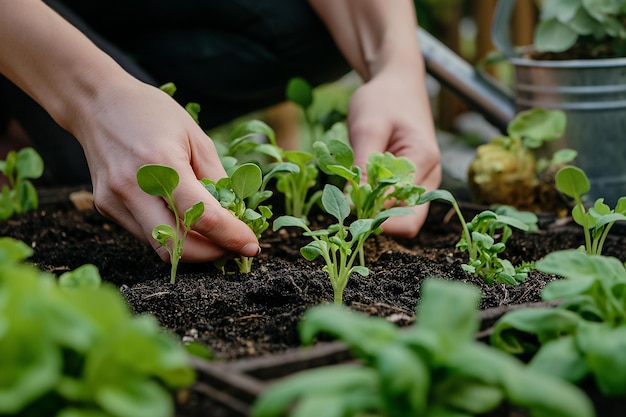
<point>561,358</point>
<point>326,380</point>
<point>193,214</point>
<point>162,233</point>
<point>246,180</point>
<point>335,203</point>
<point>289,221</point>
<point>85,276</point>
<point>136,397</point>
<point>449,308</point>
<point>405,380</point>
<point>365,335</point>
<point>572,181</point>
<point>29,164</point>
<point>300,92</point>
<point>554,36</point>
<point>169,88</point>
<point>605,353</point>
<point>361,270</point>
<point>437,195</point>
<point>545,323</point>
<point>157,180</point>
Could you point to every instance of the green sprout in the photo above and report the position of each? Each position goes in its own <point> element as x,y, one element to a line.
<point>242,193</point>
<point>295,171</point>
<point>339,244</point>
<point>478,239</point>
<point>160,181</point>
<point>20,195</point>
<point>598,220</point>
<point>389,178</point>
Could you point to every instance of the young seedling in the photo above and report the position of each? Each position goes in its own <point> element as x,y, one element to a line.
<point>192,108</point>
<point>389,178</point>
<point>339,244</point>
<point>295,171</point>
<point>242,193</point>
<point>435,367</point>
<point>20,195</point>
<point>478,239</point>
<point>160,181</point>
<point>597,220</point>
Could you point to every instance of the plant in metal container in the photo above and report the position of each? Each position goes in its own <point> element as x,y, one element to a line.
<point>576,64</point>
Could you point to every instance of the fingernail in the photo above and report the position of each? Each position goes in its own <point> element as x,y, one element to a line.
<point>251,249</point>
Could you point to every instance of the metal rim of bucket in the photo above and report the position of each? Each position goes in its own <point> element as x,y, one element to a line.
<point>569,63</point>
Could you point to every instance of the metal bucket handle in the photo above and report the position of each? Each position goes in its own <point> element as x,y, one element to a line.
<point>500,28</point>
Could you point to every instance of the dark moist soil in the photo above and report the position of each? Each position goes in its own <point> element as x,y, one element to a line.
<point>244,315</point>
<point>256,314</point>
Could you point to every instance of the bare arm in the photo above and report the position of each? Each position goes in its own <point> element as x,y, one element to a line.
<point>121,124</point>
<point>391,111</point>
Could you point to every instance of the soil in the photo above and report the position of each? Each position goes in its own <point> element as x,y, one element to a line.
<point>248,315</point>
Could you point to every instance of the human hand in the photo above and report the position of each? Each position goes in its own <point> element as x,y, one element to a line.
<point>391,113</point>
<point>139,124</point>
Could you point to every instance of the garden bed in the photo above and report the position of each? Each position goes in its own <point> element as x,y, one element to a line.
<point>242,317</point>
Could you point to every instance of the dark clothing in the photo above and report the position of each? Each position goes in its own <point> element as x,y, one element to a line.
<point>231,57</point>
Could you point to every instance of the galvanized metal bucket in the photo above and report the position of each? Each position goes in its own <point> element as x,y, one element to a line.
<point>592,93</point>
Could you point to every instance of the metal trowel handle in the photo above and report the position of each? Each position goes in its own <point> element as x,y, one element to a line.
<point>477,88</point>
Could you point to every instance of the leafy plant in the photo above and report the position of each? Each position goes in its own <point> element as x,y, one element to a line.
<point>594,27</point>
<point>585,335</point>
<point>160,181</point>
<point>20,195</point>
<point>478,239</point>
<point>389,178</point>
<point>295,171</point>
<point>339,244</point>
<point>433,368</point>
<point>598,219</point>
<point>80,351</point>
<point>242,193</point>
<point>508,171</point>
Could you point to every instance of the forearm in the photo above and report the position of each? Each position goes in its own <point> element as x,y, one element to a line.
<point>52,61</point>
<point>373,34</point>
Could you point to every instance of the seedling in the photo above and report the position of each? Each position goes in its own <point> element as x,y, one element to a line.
<point>20,195</point>
<point>160,181</point>
<point>389,178</point>
<point>598,220</point>
<point>433,368</point>
<point>478,239</point>
<point>585,335</point>
<point>339,244</point>
<point>295,171</point>
<point>241,194</point>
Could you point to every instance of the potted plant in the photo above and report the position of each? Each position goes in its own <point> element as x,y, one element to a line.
<point>576,64</point>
